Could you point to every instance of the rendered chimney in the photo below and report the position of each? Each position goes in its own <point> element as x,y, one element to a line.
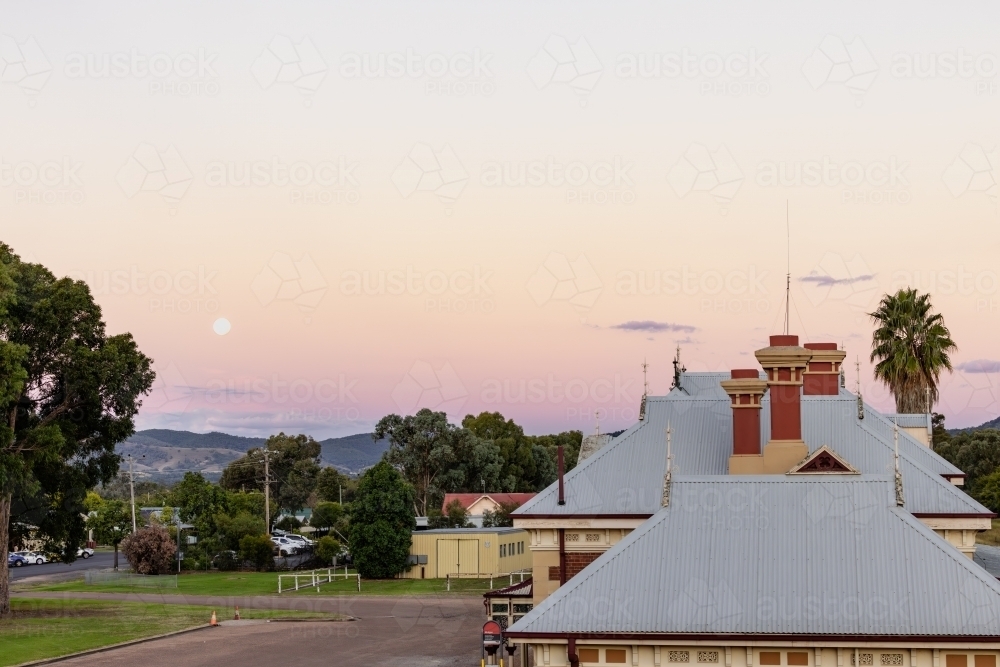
<point>822,377</point>
<point>745,390</point>
<point>785,363</point>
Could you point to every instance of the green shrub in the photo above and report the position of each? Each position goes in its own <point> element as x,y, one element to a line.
<point>258,550</point>
<point>327,549</point>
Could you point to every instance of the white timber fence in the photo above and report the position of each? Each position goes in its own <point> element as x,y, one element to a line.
<point>485,575</point>
<point>315,578</point>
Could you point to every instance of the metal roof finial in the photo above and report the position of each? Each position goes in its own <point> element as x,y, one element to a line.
<point>645,391</point>
<point>678,369</point>
<point>665,499</point>
<point>857,388</point>
<point>898,475</point>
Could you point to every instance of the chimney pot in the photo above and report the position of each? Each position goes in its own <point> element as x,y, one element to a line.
<point>822,376</point>
<point>745,389</point>
<point>784,361</point>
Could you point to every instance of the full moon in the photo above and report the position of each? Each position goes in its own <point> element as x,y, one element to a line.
<point>221,326</point>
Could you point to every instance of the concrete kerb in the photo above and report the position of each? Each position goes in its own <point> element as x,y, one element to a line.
<point>111,647</point>
<point>143,640</point>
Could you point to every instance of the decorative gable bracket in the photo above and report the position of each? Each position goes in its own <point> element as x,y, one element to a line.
<point>824,461</point>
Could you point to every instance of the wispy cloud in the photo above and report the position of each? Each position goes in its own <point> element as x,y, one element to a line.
<point>830,281</point>
<point>654,327</point>
<point>979,366</point>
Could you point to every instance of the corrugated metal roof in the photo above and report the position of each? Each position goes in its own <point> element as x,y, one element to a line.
<point>520,589</point>
<point>466,531</point>
<point>626,476</point>
<point>777,555</point>
<point>908,420</point>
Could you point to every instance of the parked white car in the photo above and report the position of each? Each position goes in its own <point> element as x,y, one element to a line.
<point>299,539</point>
<point>85,552</point>
<point>286,547</point>
<point>33,557</point>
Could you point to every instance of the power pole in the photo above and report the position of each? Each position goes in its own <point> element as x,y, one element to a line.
<point>131,490</point>
<point>267,492</point>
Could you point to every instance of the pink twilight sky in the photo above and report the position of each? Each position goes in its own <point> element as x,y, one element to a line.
<point>314,214</point>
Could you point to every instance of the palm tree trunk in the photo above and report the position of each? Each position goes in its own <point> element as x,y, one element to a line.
<point>5,502</point>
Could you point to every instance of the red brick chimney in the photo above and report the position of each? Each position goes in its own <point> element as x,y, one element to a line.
<point>785,364</point>
<point>822,376</point>
<point>745,390</point>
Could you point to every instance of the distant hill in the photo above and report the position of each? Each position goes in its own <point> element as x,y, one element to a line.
<point>165,454</point>
<point>993,423</point>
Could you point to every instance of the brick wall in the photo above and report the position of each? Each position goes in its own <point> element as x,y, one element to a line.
<point>575,562</point>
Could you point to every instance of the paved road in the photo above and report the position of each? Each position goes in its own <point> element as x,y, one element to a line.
<point>99,561</point>
<point>411,631</point>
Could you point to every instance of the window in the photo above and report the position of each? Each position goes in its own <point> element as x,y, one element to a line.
<point>518,618</point>
<point>955,660</point>
<point>797,658</point>
<point>986,661</point>
<point>615,656</point>
<point>520,547</point>
<point>895,659</point>
<point>708,656</point>
<point>522,608</point>
<point>503,550</point>
<point>866,659</point>
<point>499,608</point>
<point>588,654</point>
<point>679,656</point>
<point>770,658</point>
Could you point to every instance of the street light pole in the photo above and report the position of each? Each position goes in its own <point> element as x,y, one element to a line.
<point>131,490</point>
<point>267,492</point>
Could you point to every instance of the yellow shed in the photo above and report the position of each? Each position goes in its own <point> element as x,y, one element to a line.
<point>467,552</point>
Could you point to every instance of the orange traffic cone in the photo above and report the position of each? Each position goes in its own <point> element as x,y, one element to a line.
<point>214,620</point>
<point>237,617</point>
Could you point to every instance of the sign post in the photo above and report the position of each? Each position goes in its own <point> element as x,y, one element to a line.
<point>492,640</point>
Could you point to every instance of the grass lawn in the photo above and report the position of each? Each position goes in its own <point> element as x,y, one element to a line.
<point>991,536</point>
<point>48,628</point>
<point>266,583</point>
